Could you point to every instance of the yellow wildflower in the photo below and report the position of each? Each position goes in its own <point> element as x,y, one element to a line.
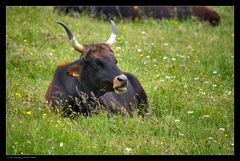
<point>18,94</point>
<point>28,112</point>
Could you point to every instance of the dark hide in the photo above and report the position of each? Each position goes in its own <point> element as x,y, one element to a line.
<point>83,85</point>
<point>203,13</point>
<point>127,102</point>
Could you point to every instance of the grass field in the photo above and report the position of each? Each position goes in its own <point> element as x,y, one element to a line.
<point>185,67</point>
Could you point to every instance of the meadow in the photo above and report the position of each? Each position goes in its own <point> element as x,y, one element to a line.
<point>186,68</point>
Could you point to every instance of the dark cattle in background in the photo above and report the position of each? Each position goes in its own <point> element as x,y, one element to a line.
<point>94,79</point>
<point>140,12</point>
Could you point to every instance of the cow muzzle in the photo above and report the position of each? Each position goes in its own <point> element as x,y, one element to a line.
<point>120,84</point>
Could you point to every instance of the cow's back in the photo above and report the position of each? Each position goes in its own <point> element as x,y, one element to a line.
<point>61,86</point>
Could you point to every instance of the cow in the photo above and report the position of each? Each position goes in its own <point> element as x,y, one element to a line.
<point>94,80</point>
<point>203,13</point>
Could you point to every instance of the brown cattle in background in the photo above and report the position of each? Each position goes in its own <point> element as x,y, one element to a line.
<point>203,13</point>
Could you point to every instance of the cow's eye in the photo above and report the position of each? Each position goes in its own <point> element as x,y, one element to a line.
<point>116,62</point>
<point>99,63</point>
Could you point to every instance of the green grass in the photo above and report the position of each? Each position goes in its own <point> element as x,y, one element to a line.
<point>185,67</point>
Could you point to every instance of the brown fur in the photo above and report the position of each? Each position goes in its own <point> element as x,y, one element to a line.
<point>65,88</point>
<point>50,86</point>
<point>74,70</point>
<point>49,93</point>
<point>207,14</point>
<point>96,49</point>
<point>62,63</point>
<point>203,13</point>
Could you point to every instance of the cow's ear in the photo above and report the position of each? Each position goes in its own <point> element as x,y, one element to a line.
<point>74,70</point>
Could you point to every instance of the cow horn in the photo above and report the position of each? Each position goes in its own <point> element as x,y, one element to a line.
<point>112,37</point>
<point>72,38</point>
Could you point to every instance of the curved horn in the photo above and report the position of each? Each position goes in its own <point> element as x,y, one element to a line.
<point>72,38</point>
<point>112,37</point>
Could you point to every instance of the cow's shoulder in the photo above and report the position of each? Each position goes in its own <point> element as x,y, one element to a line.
<point>140,93</point>
<point>132,79</point>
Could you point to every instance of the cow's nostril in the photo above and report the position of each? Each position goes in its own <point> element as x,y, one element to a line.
<point>119,79</point>
<point>122,79</point>
<point>120,83</point>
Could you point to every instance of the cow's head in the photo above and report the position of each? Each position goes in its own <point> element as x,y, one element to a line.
<point>97,67</point>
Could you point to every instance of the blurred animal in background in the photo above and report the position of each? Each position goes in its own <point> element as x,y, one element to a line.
<point>203,13</point>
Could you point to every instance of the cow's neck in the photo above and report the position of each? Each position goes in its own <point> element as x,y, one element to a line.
<point>83,88</point>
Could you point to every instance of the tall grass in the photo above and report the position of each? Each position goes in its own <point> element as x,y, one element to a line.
<point>185,67</point>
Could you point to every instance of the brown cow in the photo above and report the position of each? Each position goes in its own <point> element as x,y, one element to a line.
<point>94,79</point>
<point>203,13</point>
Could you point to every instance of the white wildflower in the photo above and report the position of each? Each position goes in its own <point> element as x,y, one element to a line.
<point>165,57</point>
<point>50,140</point>
<point>190,112</point>
<point>221,129</point>
<point>229,92</point>
<point>182,56</point>
<point>177,120</point>
<point>206,116</point>
<point>165,44</point>
<point>128,149</point>
<point>61,144</point>
<point>169,77</point>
